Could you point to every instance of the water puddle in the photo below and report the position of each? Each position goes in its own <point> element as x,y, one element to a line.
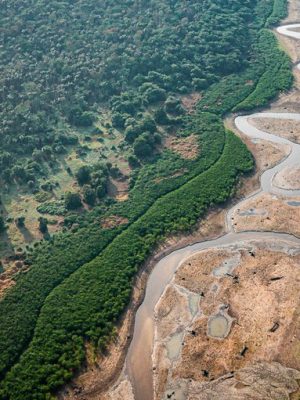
<point>252,212</point>
<point>174,345</point>
<point>139,365</point>
<point>194,300</point>
<point>294,203</point>
<point>218,326</point>
<point>138,362</point>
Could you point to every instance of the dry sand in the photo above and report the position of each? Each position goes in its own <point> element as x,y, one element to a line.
<point>288,129</point>
<point>267,212</point>
<point>288,178</point>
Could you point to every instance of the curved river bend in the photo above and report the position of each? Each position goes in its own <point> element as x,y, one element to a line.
<point>138,365</point>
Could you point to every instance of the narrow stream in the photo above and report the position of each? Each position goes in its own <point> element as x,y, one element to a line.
<point>138,365</point>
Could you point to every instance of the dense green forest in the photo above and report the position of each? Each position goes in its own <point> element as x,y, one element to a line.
<point>65,67</point>
<point>62,60</point>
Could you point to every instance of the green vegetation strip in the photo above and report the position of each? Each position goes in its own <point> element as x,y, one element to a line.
<point>277,76</point>
<point>88,303</point>
<point>268,73</point>
<point>280,11</point>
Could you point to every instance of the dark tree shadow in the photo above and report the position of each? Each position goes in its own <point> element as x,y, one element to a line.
<point>27,235</point>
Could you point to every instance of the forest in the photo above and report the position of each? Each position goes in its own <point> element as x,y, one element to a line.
<point>62,60</point>
<point>75,70</point>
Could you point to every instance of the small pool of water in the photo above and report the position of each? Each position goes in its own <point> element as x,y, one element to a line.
<point>218,326</point>
<point>174,346</point>
<point>194,300</point>
<point>294,203</point>
<point>252,211</point>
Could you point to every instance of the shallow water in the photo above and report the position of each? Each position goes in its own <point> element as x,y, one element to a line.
<point>252,212</point>
<point>174,346</point>
<point>218,326</point>
<point>294,203</point>
<point>194,300</point>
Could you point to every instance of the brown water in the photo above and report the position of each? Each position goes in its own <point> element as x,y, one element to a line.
<point>138,365</point>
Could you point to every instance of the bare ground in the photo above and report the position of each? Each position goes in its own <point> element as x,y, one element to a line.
<point>288,129</point>
<point>113,221</point>
<point>98,379</point>
<point>288,178</point>
<point>268,213</point>
<point>92,384</point>
<point>189,102</point>
<point>187,147</point>
<point>264,302</point>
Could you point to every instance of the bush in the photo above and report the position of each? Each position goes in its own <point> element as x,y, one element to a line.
<point>277,76</point>
<point>118,120</point>
<point>20,222</point>
<point>43,225</point>
<point>83,175</point>
<point>2,224</point>
<point>143,147</point>
<point>88,303</point>
<point>89,195</point>
<point>52,208</point>
<point>72,201</point>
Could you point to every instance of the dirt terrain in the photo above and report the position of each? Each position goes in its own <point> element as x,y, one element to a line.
<point>255,287</point>
<point>288,178</point>
<point>288,129</point>
<point>268,212</point>
<point>187,148</point>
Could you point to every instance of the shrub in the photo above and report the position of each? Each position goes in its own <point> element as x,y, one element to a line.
<point>72,201</point>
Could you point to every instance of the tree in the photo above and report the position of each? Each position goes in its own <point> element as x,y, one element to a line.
<point>118,120</point>
<point>154,94</point>
<point>89,195</point>
<point>148,124</point>
<point>161,117</point>
<point>101,189</point>
<point>19,172</point>
<point>20,221</point>
<point>131,133</point>
<point>2,224</point>
<point>43,225</point>
<point>133,161</point>
<point>72,201</point>
<point>142,147</point>
<point>80,118</point>
<point>173,105</point>
<point>83,175</point>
